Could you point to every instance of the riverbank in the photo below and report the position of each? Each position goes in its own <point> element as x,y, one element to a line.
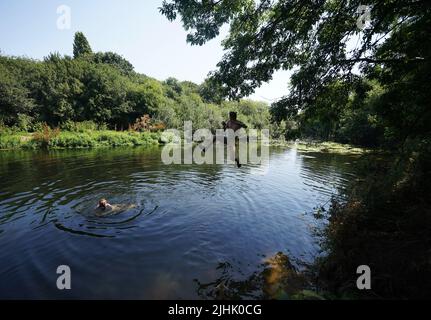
<point>319,146</point>
<point>56,139</point>
<point>65,139</point>
<point>384,222</point>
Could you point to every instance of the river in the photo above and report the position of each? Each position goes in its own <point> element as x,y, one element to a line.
<point>185,220</point>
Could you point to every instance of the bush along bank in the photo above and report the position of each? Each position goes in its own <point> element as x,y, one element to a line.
<point>56,139</point>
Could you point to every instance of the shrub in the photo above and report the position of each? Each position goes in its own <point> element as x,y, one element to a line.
<point>36,126</point>
<point>145,123</point>
<point>142,123</point>
<point>9,141</point>
<point>44,137</point>
<point>3,128</point>
<point>169,137</point>
<point>81,126</point>
<point>53,138</point>
<point>73,140</point>
<point>24,122</point>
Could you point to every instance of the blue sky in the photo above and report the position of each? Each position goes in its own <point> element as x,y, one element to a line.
<point>132,28</point>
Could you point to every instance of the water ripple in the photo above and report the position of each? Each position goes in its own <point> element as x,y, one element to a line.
<point>178,221</point>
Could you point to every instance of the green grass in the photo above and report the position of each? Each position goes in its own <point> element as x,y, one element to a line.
<point>15,140</point>
<point>75,140</point>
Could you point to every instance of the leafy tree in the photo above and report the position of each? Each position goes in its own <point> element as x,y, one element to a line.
<point>145,97</point>
<point>166,113</point>
<point>15,99</point>
<point>360,122</point>
<point>313,36</point>
<point>61,88</point>
<point>17,83</point>
<point>114,60</point>
<point>321,120</point>
<point>173,88</point>
<point>105,99</point>
<point>81,47</point>
<point>102,88</point>
<point>211,92</point>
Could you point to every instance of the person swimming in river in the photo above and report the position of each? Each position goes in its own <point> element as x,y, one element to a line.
<point>235,125</point>
<point>104,208</point>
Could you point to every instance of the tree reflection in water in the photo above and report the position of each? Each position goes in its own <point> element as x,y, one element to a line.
<point>275,278</point>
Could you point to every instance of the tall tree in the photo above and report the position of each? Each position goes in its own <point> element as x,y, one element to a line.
<point>81,47</point>
<point>317,38</point>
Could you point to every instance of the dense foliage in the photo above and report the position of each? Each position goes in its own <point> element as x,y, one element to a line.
<point>104,88</point>
<point>366,86</point>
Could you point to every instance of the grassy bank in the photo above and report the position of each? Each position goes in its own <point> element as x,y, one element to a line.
<point>55,139</point>
<point>95,138</point>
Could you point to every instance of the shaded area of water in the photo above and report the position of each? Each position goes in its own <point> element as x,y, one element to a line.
<point>185,221</point>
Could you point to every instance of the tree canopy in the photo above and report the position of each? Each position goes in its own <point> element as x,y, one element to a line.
<point>322,43</point>
<point>103,87</point>
<point>81,47</point>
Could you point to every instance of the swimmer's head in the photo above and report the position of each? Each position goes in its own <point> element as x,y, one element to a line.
<point>102,203</point>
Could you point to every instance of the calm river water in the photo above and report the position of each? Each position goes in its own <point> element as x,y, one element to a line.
<point>187,220</point>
